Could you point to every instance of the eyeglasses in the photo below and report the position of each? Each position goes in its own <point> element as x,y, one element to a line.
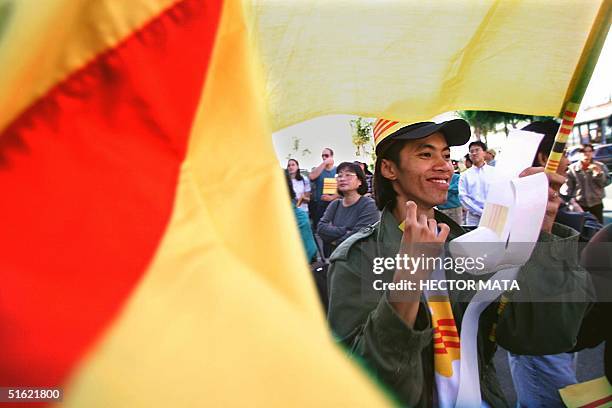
<point>346,175</point>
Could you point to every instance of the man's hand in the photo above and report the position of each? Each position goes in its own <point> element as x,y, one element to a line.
<point>555,181</point>
<point>420,230</point>
<point>420,238</point>
<point>596,169</point>
<point>328,161</point>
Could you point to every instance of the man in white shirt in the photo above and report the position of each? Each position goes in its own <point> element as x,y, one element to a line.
<point>473,185</point>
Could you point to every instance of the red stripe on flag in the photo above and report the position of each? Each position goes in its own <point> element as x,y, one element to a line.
<point>446,322</point>
<point>597,403</point>
<point>88,177</point>
<point>565,131</point>
<point>570,114</point>
<point>451,344</point>
<point>440,351</point>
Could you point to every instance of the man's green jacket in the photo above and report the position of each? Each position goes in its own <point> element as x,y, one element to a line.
<point>402,357</point>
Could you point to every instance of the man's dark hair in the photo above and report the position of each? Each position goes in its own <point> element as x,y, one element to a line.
<point>384,194</point>
<point>355,168</point>
<point>467,158</point>
<point>549,129</point>
<point>365,167</point>
<point>478,143</point>
<point>584,146</point>
<point>330,150</point>
<point>289,185</point>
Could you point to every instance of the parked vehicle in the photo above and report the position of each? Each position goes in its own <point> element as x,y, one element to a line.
<point>603,153</point>
<point>573,153</point>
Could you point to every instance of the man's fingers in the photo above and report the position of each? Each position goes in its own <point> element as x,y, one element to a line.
<point>444,231</point>
<point>553,196</point>
<point>555,180</point>
<point>411,213</point>
<point>423,221</point>
<point>433,226</point>
<point>531,170</point>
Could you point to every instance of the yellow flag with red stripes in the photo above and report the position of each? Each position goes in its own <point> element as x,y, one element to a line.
<point>148,249</point>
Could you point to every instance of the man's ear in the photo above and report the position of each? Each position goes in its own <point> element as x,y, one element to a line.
<point>388,169</point>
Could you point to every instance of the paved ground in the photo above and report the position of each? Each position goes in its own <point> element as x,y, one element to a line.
<point>590,366</point>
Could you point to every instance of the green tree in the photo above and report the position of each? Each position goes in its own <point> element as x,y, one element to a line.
<point>362,135</point>
<point>485,122</point>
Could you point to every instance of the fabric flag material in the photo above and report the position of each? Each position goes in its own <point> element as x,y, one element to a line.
<point>330,185</point>
<point>411,60</point>
<point>148,255</point>
<point>596,393</point>
<point>148,248</point>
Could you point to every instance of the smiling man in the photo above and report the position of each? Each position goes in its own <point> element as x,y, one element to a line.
<point>411,340</point>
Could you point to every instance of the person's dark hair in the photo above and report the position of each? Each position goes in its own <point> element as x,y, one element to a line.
<point>365,167</point>
<point>549,129</point>
<point>330,150</point>
<point>384,194</point>
<point>289,185</point>
<point>478,143</point>
<point>298,175</point>
<point>355,168</point>
<point>584,146</point>
<point>467,158</point>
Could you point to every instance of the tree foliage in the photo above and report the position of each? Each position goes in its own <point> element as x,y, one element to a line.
<point>485,122</point>
<point>362,135</point>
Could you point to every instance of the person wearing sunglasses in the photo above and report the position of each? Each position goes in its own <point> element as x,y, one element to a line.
<point>353,212</point>
<point>323,177</point>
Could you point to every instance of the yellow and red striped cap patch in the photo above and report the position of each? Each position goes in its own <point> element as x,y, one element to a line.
<point>384,127</point>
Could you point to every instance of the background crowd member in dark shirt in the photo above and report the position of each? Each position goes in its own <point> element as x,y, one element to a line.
<point>597,259</point>
<point>318,175</point>
<point>368,175</point>
<point>350,214</point>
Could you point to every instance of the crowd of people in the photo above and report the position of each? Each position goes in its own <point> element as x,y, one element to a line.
<point>418,194</point>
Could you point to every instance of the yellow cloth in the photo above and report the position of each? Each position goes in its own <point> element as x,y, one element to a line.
<point>589,392</point>
<point>411,60</point>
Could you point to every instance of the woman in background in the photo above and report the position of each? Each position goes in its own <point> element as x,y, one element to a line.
<point>345,216</point>
<point>301,186</point>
